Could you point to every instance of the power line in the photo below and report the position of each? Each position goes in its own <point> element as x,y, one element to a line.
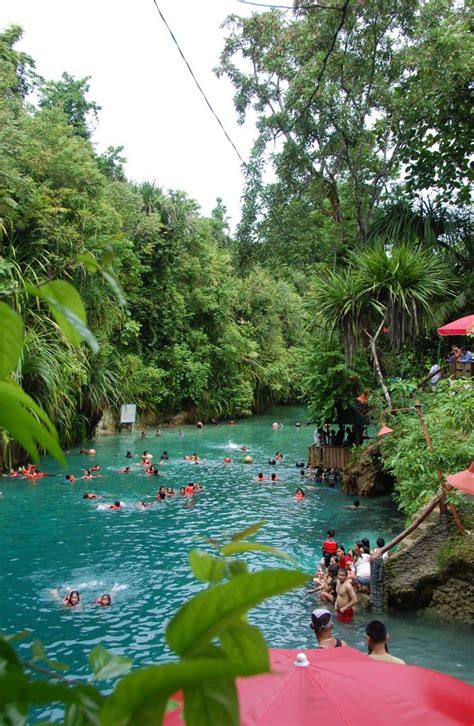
<point>198,84</point>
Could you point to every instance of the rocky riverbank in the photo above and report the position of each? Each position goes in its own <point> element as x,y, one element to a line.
<point>434,569</point>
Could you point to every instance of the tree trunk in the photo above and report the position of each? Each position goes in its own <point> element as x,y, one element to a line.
<point>375,358</point>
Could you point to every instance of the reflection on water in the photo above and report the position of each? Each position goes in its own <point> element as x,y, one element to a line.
<point>51,537</point>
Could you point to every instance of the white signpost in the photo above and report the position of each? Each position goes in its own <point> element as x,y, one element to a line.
<point>128,413</point>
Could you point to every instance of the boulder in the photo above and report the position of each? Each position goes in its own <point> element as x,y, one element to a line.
<point>417,577</point>
<point>364,474</point>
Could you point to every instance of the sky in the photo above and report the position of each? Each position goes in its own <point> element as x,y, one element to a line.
<point>149,102</point>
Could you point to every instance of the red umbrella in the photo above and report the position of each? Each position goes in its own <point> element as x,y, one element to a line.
<point>463,326</point>
<point>463,480</point>
<point>344,687</point>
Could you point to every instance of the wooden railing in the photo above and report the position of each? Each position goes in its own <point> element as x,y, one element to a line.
<point>328,456</point>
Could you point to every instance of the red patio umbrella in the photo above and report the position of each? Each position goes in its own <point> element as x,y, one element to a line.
<point>463,326</point>
<point>463,480</point>
<point>344,687</point>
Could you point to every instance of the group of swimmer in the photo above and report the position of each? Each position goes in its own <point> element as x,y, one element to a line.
<point>73,599</point>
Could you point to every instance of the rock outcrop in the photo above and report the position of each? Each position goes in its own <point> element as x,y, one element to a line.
<point>365,476</point>
<point>416,578</point>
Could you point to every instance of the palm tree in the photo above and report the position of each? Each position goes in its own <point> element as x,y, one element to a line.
<point>402,289</point>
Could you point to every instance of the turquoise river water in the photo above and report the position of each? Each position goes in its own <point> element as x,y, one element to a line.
<point>50,537</point>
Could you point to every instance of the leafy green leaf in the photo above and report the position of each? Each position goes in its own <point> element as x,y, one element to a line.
<point>211,702</point>
<point>206,567</point>
<point>213,610</point>
<point>89,261</point>
<point>106,665</point>
<point>244,642</point>
<point>233,547</point>
<point>27,422</point>
<point>111,277</point>
<point>68,309</point>
<point>248,531</point>
<point>39,653</point>
<point>237,567</point>
<point>11,339</point>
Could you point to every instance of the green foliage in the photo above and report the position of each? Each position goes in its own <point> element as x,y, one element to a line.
<point>456,553</point>
<point>448,415</point>
<point>330,386</point>
<point>210,633</point>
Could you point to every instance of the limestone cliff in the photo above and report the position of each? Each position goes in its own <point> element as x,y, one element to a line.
<point>434,569</point>
<point>364,475</point>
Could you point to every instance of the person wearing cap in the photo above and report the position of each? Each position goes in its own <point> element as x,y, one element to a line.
<point>321,623</point>
<point>377,640</point>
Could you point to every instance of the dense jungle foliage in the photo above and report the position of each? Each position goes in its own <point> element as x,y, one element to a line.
<point>338,248</point>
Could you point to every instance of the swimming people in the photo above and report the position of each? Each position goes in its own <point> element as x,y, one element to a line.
<point>164,456</point>
<point>182,491</point>
<point>300,494</point>
<point>143,435</point>
<point>88,474</point>
<point>90,495</point>
<point>273,477</point>
<point>128,455</point>
<point>190,488</point>
<point>105,601</point>
<point>70,478</point>
<point>72,599</point>
<point>278,456</point>
<point>116,505</point>
<point>125,470</point>
<point>144,505</point>
<point>260,476</point>
<point>170,492</point>
<point>161,493</point>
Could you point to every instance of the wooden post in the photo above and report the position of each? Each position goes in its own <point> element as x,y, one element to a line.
<point>442,502</point>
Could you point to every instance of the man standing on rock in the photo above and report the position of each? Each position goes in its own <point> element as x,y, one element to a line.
<point>345,597</point>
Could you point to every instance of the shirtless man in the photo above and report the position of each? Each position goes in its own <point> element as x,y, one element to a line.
<point>345,597</point>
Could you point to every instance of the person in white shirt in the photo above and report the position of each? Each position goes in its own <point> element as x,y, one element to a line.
<point>361,567</point>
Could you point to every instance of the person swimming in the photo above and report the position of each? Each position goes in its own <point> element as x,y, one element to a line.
<point>70,478</point>
<point>170,492</point>
<point>182,491</point>
<point>260,476</point>
<point>161,493</point>
<point>190,488</point>
<point>104,601</point>
<point>144,505</point>
<point>300,494</point>
<point>128,455</point>
<point>273,477</point>
<point>116,505</point>
<point>125,470</point>
<point>90,495</point>
<point>72,599</point>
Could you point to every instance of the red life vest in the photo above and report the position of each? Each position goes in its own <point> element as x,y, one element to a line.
<point>329,548</point>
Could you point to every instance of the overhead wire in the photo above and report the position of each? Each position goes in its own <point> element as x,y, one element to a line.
<point>201,91</point>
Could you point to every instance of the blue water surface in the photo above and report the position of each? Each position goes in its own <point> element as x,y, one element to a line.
<point>51,538</point>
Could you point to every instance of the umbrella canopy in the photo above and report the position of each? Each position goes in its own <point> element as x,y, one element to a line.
<point>463,480</point>
<point>344,687</point>
<point>463,326</point>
